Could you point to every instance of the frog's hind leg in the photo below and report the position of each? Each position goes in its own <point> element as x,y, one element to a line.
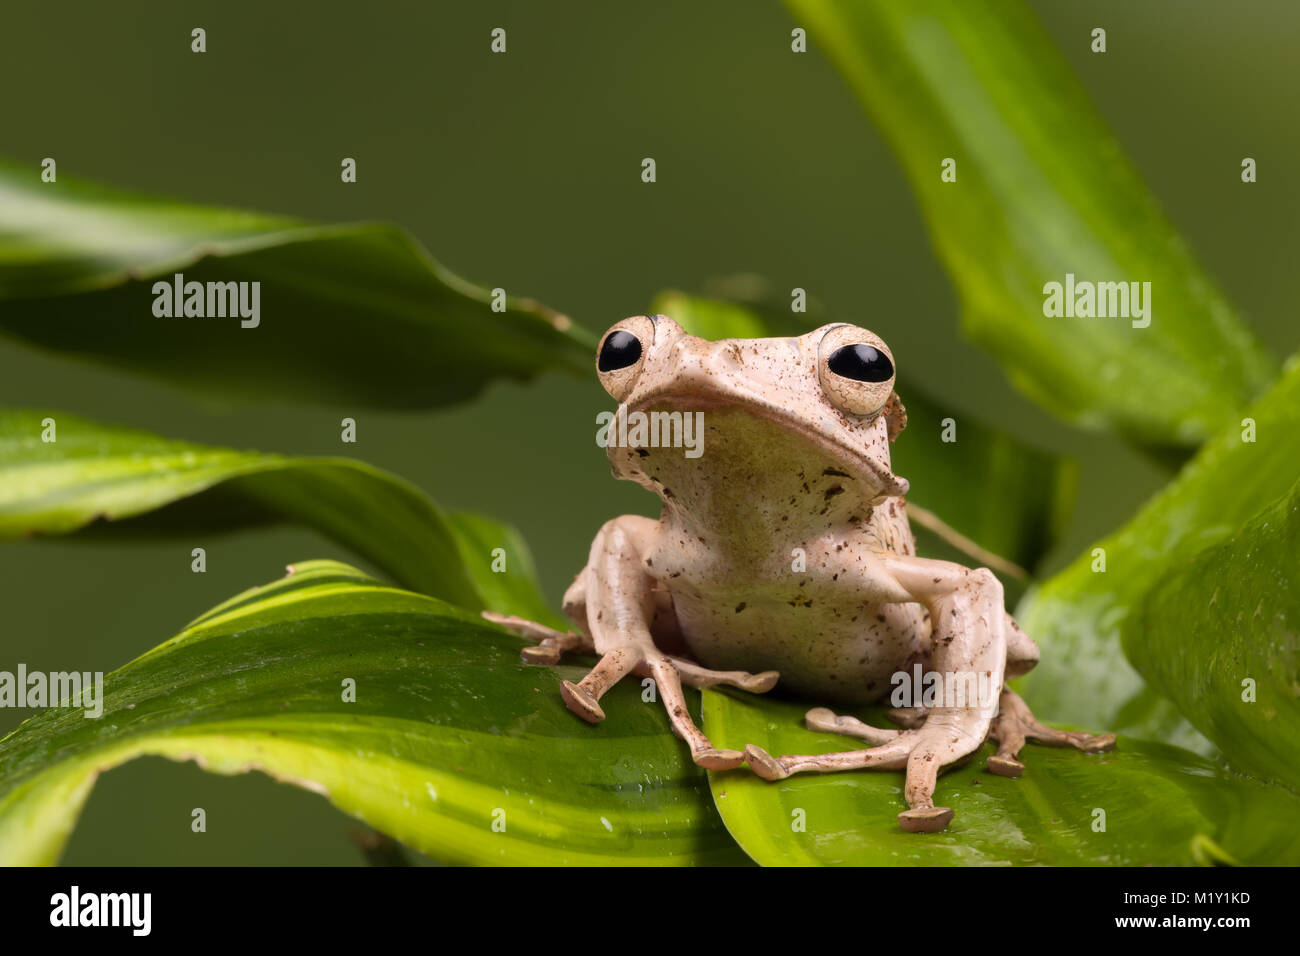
<point>969,640</point>
<point>1016,724</point>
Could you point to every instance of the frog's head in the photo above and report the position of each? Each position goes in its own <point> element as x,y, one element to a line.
<point>825,397</point>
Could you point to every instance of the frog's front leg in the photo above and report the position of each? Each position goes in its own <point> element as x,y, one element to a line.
<point>968,636</point>
<point>615,603</point>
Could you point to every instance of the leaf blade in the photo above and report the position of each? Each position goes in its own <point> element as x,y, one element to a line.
<point>1042,191</point>
<point>1163,806</point>
<point>448,728</point>
<point>350,314</point>
<point>145,484</point>
<point>1080,615</point>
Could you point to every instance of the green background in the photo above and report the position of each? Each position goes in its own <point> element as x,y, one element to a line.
<point>523,171</point>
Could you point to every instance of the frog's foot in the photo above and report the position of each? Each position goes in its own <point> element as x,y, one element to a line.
<point>583,698</point>
<point>949,734</point>
<point>826,721</point>
<point>551,644</point>
<point>1015,724</point>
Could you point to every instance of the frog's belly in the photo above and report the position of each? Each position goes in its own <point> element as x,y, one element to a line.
<point>844,653</point>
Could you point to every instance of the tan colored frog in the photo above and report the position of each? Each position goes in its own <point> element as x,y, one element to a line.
<point>784,550</point>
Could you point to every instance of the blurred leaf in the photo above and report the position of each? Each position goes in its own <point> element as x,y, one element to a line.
<point>95,472</point>
<point>353,313</point>
<point>1229,615</point>
<point>449,732</point>
<point>1009,499</point>
<point>1078,616</point>
<point>1042,190</point>
<point>1163,805</point>
<point>720,318</point>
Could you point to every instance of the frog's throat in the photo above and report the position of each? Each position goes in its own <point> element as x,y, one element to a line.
<point>887,484</point>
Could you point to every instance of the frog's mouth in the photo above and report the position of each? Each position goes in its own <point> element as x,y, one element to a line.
<point>875,474</point>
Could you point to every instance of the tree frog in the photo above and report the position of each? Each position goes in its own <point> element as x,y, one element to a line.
<point>783,551</point>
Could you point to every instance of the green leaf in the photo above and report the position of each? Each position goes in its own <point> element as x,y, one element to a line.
<point>448,732</point>
<point>1079,615</point>
<point>95,471</point>
<point>1162,805</point>
<point>1042,191</point>
<point>716,319</point>
<point>1011,500</point>
<point>356,314</point>
<point>1227,617</point>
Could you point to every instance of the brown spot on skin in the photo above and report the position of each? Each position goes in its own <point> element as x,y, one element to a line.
<point>740,607</point>
<point>836,473</point>
<point>643,453</point>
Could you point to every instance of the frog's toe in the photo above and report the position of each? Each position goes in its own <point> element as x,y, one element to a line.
<point>581,702</point>
<point>714,759</point>
<point>551,644</point>
<point>698,676</point>
<point>1004,765</point>
<point>1098,744</point>
<point>827,721</point>
<point>764,764</point>
<point>925,819</point>
<point>545,654</point>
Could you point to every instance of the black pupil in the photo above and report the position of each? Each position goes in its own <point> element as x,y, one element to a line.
<point>620,350</point>
<point>861,363</point>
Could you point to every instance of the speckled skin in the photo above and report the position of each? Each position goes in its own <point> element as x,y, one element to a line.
<point>785,548</point>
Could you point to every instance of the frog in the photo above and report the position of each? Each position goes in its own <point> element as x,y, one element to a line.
<point>783,552</point>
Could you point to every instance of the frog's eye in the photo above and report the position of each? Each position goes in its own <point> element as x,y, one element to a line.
<point>622,354</point>
<point>619,350</point>
<point>862,363</point>
<point>856,370</point>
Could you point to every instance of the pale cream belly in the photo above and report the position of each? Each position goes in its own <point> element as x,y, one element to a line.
<point>843,653</point>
